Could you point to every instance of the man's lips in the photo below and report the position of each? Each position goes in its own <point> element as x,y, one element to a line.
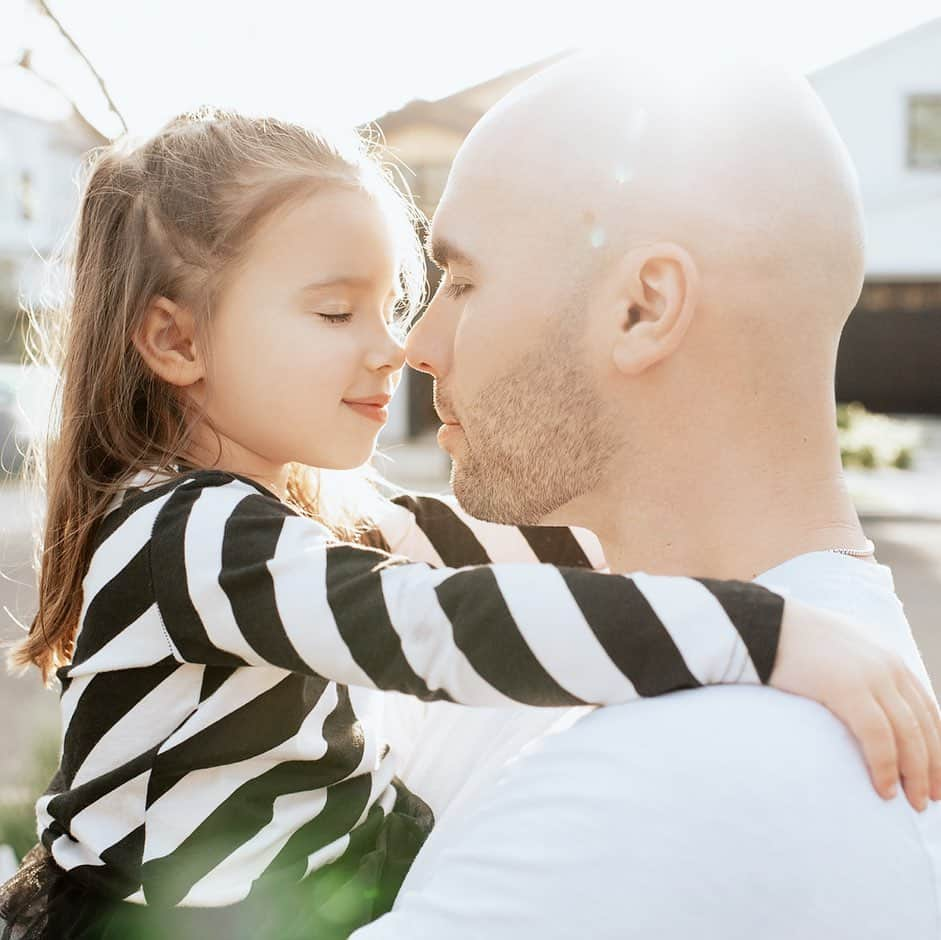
<point>448,430</point>
<point>449,425</point>
<point>444,417</point>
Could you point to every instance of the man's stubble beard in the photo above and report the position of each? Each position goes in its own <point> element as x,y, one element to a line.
<point>536,438</point>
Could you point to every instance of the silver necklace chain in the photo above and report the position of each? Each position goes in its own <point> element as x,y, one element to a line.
<point>866,552</point>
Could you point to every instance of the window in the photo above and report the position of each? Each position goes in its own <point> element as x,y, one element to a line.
<point>924,132</point>
<point>27,196</point>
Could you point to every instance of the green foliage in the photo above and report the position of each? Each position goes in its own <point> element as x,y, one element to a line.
<point>12,319</point>
<point>18,807</point>
<point>870,441</point>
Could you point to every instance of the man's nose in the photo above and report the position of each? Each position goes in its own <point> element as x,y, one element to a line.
<point>428,345</point>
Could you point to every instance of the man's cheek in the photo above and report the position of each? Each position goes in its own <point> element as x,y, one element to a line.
<point>485,340</point>
<point>474,355</point>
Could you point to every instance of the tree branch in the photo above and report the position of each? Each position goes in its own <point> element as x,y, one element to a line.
<point>44,7</point>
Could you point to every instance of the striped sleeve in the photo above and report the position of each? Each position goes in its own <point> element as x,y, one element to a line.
<point>437,530</point>
<point>240,579</point>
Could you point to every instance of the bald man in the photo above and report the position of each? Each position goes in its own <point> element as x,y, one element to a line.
<point>646,277</point>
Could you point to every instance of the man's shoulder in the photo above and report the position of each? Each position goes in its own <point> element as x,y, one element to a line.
<point>717,726</point>
<point>703,810</point>
<point>856,587</point>
<point>709,758</point>
<point>859,588</point>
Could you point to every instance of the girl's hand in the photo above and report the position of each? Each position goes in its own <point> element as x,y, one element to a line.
<point>829,658</point>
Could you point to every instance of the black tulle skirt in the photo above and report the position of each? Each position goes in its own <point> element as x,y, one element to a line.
<point>42,902</point>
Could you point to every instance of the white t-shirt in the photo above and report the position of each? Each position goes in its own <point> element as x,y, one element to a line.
<point>724,812</point>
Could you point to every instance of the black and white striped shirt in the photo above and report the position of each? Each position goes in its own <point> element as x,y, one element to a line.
<point>222,723</point>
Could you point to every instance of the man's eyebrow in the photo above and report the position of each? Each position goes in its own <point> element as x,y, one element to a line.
<point>442,252</point>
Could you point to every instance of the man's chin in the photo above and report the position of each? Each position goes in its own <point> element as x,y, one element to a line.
<point>469,496</point>
<point>483,500</point>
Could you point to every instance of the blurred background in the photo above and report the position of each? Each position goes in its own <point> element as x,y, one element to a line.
<point>75,75</point>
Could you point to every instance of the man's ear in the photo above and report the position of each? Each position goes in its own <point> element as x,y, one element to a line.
<point>658,294</point>
<point>166,339</point>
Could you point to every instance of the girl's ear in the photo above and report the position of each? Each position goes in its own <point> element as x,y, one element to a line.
<point>656,302</point>
<point>166,339</point>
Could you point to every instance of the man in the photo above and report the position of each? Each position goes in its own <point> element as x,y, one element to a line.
<point>646,277</point>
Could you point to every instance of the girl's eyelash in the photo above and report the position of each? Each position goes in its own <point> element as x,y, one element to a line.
<point>394,325</point>
<point>455,290</point>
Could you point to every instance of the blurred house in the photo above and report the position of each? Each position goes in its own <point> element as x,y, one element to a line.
<point>886,103</point>
<point>42,141</point>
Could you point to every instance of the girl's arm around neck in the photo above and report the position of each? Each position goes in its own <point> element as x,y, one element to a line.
<point>241,580</point>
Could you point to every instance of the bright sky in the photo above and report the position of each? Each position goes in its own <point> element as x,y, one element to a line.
<point>349,62</point>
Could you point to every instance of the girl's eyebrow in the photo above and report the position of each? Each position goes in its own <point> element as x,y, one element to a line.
<point>347,281</point>
<point>360,283</point>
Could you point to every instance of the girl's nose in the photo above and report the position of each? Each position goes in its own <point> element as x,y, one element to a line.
<point>389,355</point>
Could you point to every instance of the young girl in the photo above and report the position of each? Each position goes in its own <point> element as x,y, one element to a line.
<point>221,630</point>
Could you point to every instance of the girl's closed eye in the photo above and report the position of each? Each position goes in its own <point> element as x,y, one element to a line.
<point>391,320</point>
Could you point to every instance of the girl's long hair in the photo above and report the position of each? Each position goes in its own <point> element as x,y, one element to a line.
<point>168,217</point>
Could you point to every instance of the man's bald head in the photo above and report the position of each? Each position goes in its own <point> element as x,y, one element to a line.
<point>737,162</point>
<point>658,235</point>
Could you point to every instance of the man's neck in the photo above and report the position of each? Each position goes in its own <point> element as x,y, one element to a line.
<point>727,509</point>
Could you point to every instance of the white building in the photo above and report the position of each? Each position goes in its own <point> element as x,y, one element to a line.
<point>886,103</point>
<point>42,141</point>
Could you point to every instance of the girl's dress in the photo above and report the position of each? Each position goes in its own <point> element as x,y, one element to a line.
<point>223,769</point>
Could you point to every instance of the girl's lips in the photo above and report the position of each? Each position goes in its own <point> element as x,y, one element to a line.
<point>377,413</point>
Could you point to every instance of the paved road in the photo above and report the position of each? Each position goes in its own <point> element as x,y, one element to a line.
<point>911,548</point>
<point>26,708</point>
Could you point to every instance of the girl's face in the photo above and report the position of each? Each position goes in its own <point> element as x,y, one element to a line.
<point>303,334</point>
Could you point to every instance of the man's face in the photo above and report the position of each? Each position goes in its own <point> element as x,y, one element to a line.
<point>506,339</point>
